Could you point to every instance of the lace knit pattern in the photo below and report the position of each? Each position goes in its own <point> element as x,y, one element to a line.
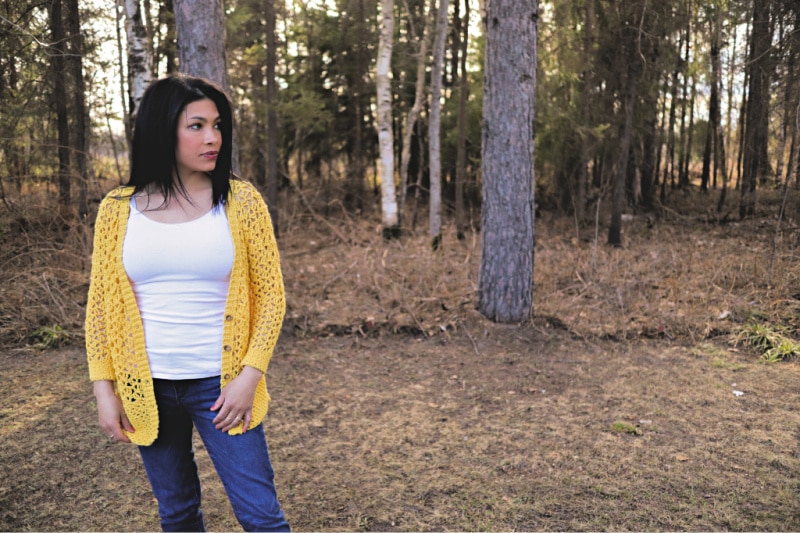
<point>254,310</point>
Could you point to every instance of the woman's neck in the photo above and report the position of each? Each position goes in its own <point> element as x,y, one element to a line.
<point>191,198</point>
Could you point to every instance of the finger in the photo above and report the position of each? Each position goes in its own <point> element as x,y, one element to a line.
<point>218,403</point>
<point>223,417</point>
<point>248,416</point>
<point>225,422</point>
<point>126,424</point>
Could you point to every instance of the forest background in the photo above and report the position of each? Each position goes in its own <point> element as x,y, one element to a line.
<point>632,396</point>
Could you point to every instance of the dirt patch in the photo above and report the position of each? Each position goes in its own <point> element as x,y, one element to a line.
<point>623,404</point>
<point>504,428</point>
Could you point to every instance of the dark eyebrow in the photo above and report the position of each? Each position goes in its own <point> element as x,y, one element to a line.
<point>203,119</point>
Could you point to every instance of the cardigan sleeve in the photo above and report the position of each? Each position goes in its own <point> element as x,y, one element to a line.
<point>266,281</point>
<point>97,343</point>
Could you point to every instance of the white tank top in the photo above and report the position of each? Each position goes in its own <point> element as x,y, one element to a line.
<point>180,275</point>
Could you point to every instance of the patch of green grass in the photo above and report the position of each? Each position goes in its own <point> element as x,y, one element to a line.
<point>50,337</point>
<point>772,342</point>
<point>624,427</point>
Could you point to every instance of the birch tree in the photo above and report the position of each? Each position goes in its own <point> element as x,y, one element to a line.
<point>505,287</point>
<point>434,127</point>
<point>139,73</point>
<point>389,216</point>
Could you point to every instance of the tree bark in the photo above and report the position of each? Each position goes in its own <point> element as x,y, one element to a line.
<point>200,33</point>
<point>200,29</point>
<point>434,127</point>
<point>756,134</point>
<point>58,34</point>
<point>80,144</point>
<point>505,286</point>
<point>139,60</point>
<point>461,148</point>
<point>389,215</point>
<point>586,138</point>
<point>272,114</point>
<point>629,47</point>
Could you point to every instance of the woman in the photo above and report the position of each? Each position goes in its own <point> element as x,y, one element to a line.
<point>185,305</point>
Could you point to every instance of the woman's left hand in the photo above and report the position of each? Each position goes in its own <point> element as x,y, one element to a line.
<point>235,403</point>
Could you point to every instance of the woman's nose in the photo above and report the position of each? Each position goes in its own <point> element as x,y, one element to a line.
<point>212,136</point>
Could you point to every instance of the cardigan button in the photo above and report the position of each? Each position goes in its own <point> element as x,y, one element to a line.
<point>226,377</point>
<point>227,347</point>
<point>228,317</point>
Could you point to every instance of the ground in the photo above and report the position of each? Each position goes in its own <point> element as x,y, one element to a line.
<point>625,403</point>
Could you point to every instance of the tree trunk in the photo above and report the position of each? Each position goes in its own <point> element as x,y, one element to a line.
<point>139,60</point>
<point>629,47</point>
<point>729,112</point>
<point>200,33</point>
<point>414,112</point>
<point>756,134</point>
<point>586,138</point>
<point>618,186</point>
<point>80,144</point>
<point>690,132</point>
<point>60,96</point>
<point>720,163</point>
<point>200,28</point>
<point>683,180</point>
<point>669,164</point>
<point>389,216</point>
<point>119,6</point>
<point>354,196</point>
<point>505,286</point>
<point>270,15</point>
<point>788,87</point>
<point>434,127</point>
<point>461,149</point>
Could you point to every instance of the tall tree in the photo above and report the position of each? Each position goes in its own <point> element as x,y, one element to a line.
<point>80,144</point>
<point>58,66</point>
<point>389,214</point>
<point>461,148</point>
<point>585,137</point>
<point>756,135</point>
<point>505,286</point>
<point>272,115</point>
<point>435,126</point>
<point>629,36</point>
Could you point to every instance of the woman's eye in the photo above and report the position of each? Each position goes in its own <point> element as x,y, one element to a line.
<point>194,126</point>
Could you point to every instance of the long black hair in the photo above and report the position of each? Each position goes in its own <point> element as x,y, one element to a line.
<point>153,162</point>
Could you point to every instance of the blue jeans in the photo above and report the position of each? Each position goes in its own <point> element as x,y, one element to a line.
<point>242,461</point>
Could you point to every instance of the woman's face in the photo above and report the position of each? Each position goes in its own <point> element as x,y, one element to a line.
<point>198,138</point>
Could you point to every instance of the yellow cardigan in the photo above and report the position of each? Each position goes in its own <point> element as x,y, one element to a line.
<point>254,310</point>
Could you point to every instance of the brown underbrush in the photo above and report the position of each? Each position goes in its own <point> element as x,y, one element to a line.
<point>625,403</point>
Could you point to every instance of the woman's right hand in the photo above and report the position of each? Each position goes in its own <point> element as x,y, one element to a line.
<point>111,415</point>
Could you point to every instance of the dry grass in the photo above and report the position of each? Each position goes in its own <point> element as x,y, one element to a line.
<point>397,407</point>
